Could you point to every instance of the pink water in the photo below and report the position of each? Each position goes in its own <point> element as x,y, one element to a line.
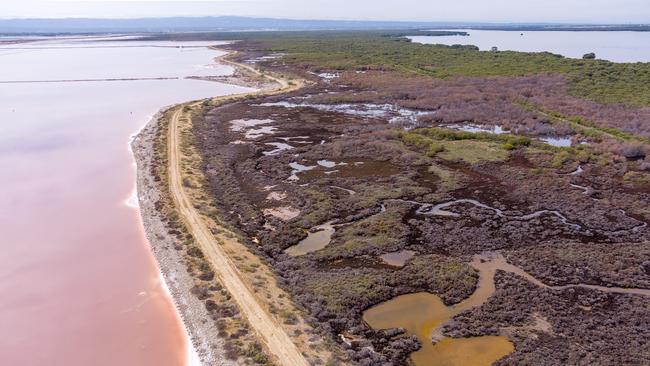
<point>78,282</point>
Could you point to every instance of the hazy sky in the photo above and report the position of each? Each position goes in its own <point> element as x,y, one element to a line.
<point>585,11</point>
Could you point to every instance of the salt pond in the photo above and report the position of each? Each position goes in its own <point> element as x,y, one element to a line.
<point>78,281</point>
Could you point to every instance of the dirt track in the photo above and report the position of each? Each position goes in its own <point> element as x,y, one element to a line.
<point>269,331</point>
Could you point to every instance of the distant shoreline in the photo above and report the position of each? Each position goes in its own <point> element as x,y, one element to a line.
<point>85,80</point>
<point>556,28</point>
<point>225,24</point>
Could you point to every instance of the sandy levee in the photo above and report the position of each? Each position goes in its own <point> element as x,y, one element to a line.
<point>203,334</point>
<point>166,241</point>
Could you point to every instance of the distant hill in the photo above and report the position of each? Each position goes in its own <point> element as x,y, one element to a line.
<point>194,24</point>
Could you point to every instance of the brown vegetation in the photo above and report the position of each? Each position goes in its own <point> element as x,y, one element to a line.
<point>369,177</point>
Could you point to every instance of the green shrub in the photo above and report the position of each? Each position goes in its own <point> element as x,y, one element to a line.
<point>195,252</point>
<point>560,158</point>
<point>434,149</point>
<point>255,352</point>
<point>451,135</point>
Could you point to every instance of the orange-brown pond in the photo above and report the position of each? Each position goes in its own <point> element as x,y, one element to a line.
<point>422,314</point>
<point>78,282</point>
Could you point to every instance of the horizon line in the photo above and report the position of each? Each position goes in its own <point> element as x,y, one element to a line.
<point>459,22</point>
